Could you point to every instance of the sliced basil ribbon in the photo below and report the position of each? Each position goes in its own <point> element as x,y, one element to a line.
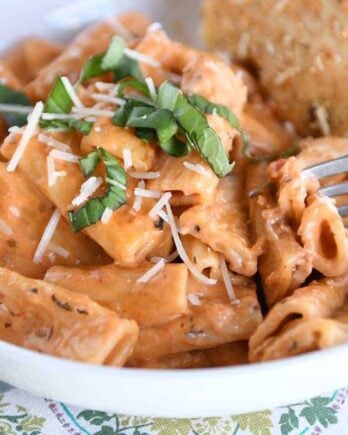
<point>114,197</point>
<point>112,60</point>
<point>59,101</point>
<point>195,125</point>
<point>11,96</point>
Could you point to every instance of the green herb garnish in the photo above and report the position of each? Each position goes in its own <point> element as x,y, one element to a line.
<point>59,101</point>
<point>114,197</point>
<point>196,128</point>
<point>112,60</point>
<point>11,96</point>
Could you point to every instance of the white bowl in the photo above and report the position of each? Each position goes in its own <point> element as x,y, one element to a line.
<point>172,393</point>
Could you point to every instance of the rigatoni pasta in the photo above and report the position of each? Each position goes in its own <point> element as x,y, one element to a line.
<point>154,194</point>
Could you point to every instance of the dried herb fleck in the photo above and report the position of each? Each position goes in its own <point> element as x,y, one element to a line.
<point>64,305</point>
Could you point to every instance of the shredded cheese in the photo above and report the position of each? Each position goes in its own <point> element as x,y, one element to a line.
<point>151,87</point>
<point>227,280</point>
<point>59,250</point>
<point>90,111</point>
<point>163,215</point>
<point>5,229</point>
<point>53,143</point>
<point>87,189</point>
<point>322,117</point>
<point>287,74</point>
<point>145,175</point>
<point>127,158</point>
<point>66,157</point>
<point>16,108</point>
<point>243,44</point>
<point>71,91</point>
<point>107,98</point>
<point>30,129</point>
<point>51,171</point>
<point>160,204</point>
<point>199,169</point>
<point>52,116</point>
<point>147,193</point>
<point>138,201</point>
<point>181,251</point>
<point>193,299</point>
<point>154,27</point>
<point>153,271</point>
<point>47,236</point>
<point>106,216</point>
<point>104,86</point>
<point>141,57</point>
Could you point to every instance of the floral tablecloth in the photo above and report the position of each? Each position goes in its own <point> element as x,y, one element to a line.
<point>23,413</point>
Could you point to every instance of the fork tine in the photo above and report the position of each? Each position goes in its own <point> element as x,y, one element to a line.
<point>331,167</point>
<point>343,210</point>
<point>335,189</point>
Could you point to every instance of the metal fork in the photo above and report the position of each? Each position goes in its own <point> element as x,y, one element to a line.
<point>326,169</point>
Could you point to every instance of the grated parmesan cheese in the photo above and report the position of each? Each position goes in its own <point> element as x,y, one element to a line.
<point>87,189</point>
<point>127,158</point>
<point>227,280</point>
<point>16,108</point>
<point>47,236</point>
<point>30,129</point>
<point>159,205</point>
<point>138,201</point>
<point>66,157</point>
<point>90,111</point>
<point>107,98</point>
<point>147,193</point>
<point>52,116</point>
<point>154,27</point>
<point>141,57</point>
<point>53,143</point>
<point>106,216</point>
<point>322,117</point>
<point>181,251</point>
<point>193,299</point>
<point>199,169</point>
<point>163,215</point>
<point>151,87</point>
<point>145,175</point>
<point>243,44</point>
<point>104,86</point>
<point>153,271</point>
<point>71,91</point>
<point>51,171</point>
<point>287,74</point>
<point>59,250</point>
<point>5,229</point>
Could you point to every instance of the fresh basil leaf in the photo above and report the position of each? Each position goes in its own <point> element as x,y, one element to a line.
<point>146,134</point>
<point>195,125</point>
<point>112,60</point>
<point>132,84</point>
<point>11,96</point>
<point>80,125</point>
<point>128,68</point>
<point>206,106</point>
<point>92,68</point>
<point>58,100</point>
<point>105,62</point>
<point>114,54</point>
<point>121,115</point>
<point>114,197</point>
<point>289,152</point>
<point>164,123</point>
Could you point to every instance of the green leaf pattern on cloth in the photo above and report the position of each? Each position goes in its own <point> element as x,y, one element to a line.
<point>22,413</point>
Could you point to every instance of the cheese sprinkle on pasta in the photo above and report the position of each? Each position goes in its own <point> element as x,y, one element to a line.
<point>47,236</point>
<point>30,129</point>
